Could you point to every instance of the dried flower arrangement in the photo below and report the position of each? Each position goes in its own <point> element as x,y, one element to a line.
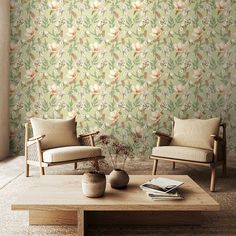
<point>117,151</point>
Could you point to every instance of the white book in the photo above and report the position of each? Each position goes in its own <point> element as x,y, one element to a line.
<point>166,184</point>
<point>161,186</point>
<point>149,187</point>
<point>166,198</point>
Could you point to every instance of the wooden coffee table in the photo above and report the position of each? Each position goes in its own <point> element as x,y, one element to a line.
<point>58,199</point>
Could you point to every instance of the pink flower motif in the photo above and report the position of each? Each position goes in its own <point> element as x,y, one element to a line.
<point>114,32</point>
<point>179,47</point>
<point>137,89</point>
<point>54,47</point>
<point>137,6</point>
<point>114,116</point>
<point>156,32</point>
<point>197,74</point>
<point>179,89</point>
<point>53,5</point>
<point>12,89</point>
<point>137,132</point>
<point>95,89</point>
<point>30,32</point>
<point>114,75</point>
<point>221,90</point>
<point>72,74</point>
<point>179,5</point>
<point>12,47</point>
<point>221,47</point>
<point>156,116</point>
<point>156,74</point>
<point>53,89</point>
<point>197,33</point>
<point>72,114</point>
<point>95,47</point>
<point>137,47</point>
<point>30,74</point>
<point>72,33</point>
<point>221,5</point>
<point>96,5</point>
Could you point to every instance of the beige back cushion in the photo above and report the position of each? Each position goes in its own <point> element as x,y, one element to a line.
<point>195,132</point>
<point>59,132</point>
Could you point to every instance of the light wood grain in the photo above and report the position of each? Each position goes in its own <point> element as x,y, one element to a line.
<point>81,223</point>
<point>59,200</point>
<point>65,193</point>
<point>179,161</point>
<point>52,217</point>
<point>84,218</point>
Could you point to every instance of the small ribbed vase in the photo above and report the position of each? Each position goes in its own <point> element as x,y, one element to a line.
<point>93,184</point>
<point>118,179</point>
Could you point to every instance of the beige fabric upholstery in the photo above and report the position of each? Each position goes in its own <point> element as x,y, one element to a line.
<point>59,132</point>
<point>70,153</point>
<point>195,132</point>
<point>183,153</point>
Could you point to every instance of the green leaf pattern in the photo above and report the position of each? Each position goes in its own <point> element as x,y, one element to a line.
<point>124,67</point>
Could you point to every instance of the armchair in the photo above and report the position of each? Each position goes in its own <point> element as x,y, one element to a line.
<point>193,141</point>
<point>54,142</point>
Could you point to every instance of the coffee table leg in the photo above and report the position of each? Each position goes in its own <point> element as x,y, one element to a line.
<point>80,224</point>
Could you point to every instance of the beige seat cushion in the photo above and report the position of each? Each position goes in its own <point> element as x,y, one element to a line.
<point>183,153</point>
<point>70,153</point>
<point>195,132</point>
<point>59,132</point>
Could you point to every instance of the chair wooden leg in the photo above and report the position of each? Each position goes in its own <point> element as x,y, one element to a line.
<point>224,169</point>
<point>154,170</point>
<point>213,178</point>
<point>42,171</point>
<point>26,170</point>
<point>75,166</point>
<point>173,167</point>
<point>96,165</point>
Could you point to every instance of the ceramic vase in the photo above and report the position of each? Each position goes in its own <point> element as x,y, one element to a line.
<point>118,179</point>
<point>93,184</point>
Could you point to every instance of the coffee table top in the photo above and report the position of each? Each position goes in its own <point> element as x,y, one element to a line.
<point>64,192</point>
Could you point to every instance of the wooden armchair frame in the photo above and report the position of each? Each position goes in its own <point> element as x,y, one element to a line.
<point>219,154</point>
<point>34,152</point>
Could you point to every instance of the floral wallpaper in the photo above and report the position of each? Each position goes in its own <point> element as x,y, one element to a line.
<point>124,67</point>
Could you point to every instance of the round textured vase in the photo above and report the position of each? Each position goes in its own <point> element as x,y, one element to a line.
<point>93,184</point>
<point>118,179</point>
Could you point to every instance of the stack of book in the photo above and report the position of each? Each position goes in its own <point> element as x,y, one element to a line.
<point>162,189</point>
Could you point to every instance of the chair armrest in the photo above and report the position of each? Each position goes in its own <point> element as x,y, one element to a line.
<point>217,138</point>
<point>162,139</point>
<point>88,134</point>
<point>88,139</point>
<point>219,148</point>
<point>37,138</point>
<point>161,134</point>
